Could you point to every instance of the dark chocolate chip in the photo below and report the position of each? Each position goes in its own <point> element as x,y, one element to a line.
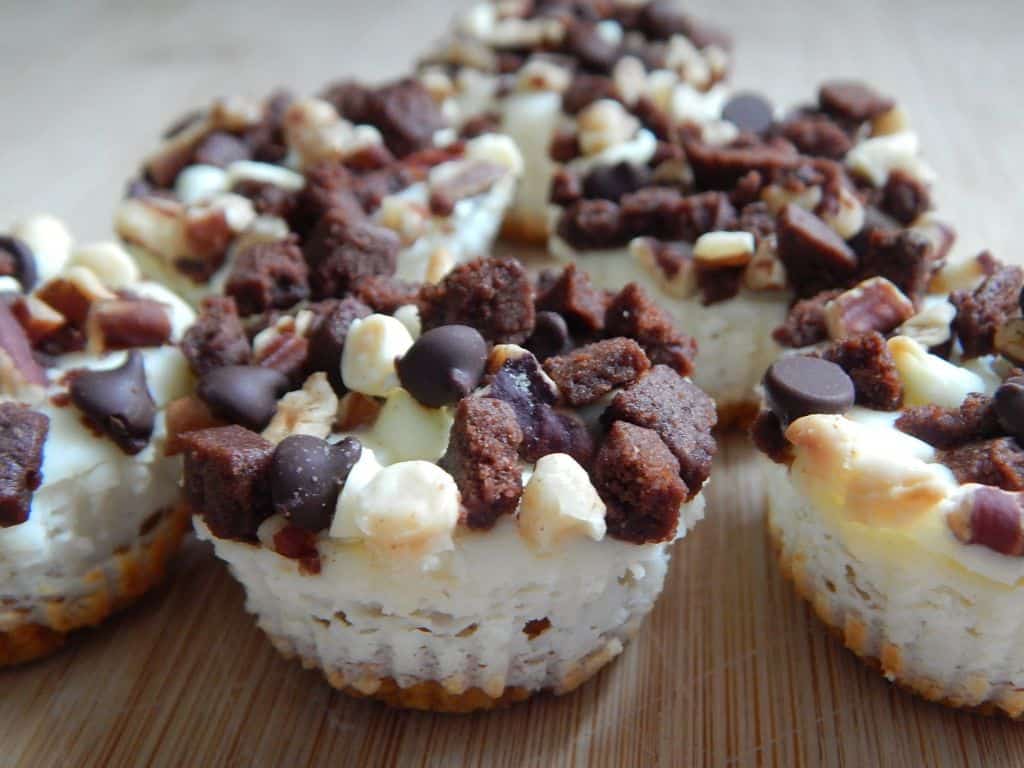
<point>550,336</point>
<point>118,402</point>
<point>749,112</point>
<point>798,386</point>
<point>306,476</point>
<point>444,365</point>
<point>612,182</point>
<point>243,394</point>
<point>1009,405</point>
<point>24,261</point>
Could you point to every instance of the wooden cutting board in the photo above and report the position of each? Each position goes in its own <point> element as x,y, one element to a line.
<point>730,669</point>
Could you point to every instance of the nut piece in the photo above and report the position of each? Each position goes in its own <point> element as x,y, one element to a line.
<point>543,75</point>
<point>48,239</point>
<point>411,431</point>
<point>676,276</point>
<point>604,124</point>
<point>893,121</point>
<point>848,219</point>
<point>127,323</point>
<point>1009,340</point>
<point>930,380</point>
<point>110,262</point>
<point>264,173</point>
<point>37,317</point>
<point>357,410</point>
<point>875,158</point>
<point>368,361</point>
<point>765,272</point>
<point>714,250</point>
<point>406,218</point>
<point>409,509</point>
<point>497,149</point>
<point>990,517</point>
<point>199,182</point>
<point>559,503</point>
<point>313,128</point>
<point>73,293</point>
<point>307,411</point>
<point>873,305</point>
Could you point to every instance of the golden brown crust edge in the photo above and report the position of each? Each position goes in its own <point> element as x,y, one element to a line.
<point>131,574</point>
<point>857,636</point>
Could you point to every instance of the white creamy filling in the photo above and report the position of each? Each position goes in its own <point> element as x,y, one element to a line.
<point>531,119</point>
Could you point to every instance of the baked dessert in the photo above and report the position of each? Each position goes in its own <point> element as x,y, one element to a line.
<point>90,511</point>
<point>551,76</point>
<point>404,191</point>
<point>895,486</point>
<point>754,219</point>
<point>456,503</point>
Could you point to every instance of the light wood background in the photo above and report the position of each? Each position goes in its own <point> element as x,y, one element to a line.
<point>730,669</point>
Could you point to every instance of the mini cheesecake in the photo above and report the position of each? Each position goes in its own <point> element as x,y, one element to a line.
<point>456,503</point>
<point>90,511</point>
<point>562,79</point>
<point>375,171</point>
<point>895,485</point>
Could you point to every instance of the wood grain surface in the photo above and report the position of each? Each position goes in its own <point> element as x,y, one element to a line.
<point>730,669</point>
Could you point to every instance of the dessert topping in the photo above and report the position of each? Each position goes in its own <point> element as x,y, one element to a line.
<point>798,386</point>
<point>117,402</point>
<point>443,365</point>
<point>22,436</point>
<point>243,394</point>
<point>869,364</point>
<point>306,476</point>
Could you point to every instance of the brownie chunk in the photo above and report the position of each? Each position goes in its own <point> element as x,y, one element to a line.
<point>227,479</point>
<point>815,257</point>
<point>638,478</point>
<point>668,215</point>
<point>905,197</point>
<point>805,324</point>
<point>817,136</point>
<point>980,312</point>
<point>868,362</point>
<point>385,293</point>
<point>905,257</point>
<point>342,248</point>
<point>22,436</point>
<point>492,295</point>
<point>329,185</point>
<point>998,462</point>
<point>327,339</point>
<point>483,457</point>
<point>680,412</point>
<point>587,46</point>
<point>584,90</point>
<point>611,182</point>
<point>574,297</point>
<point>634,315</point>
<point>947,428</point>
<point>217,338</point>
<point>587,374</point>
<point>722,168</point>
<point>268,276</point>
<point>404,112</point>
<point>769,438</point>
<point>852,101</point>
<point>593,225</point>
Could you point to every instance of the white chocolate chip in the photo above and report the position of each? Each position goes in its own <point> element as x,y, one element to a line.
<point>559,503</point>
<point>683,57</point>
<point>48,239</point>
<point>109,261</point>
<point>497,149</point>
<point>409,316</point>
<point>724,249</point>
<point>368,361</point>
<point>688,103</point>
<point>307,411</point>
<point>264,173</point>
<point>363,471</point>
<point>930,380</point>
<point>543,75</point>
<point>605,124</point>
<point>930,326</point>
<point>965,274</point>
<point>199,182</point>
<point>630,78</point>
<point>412,431</point>
<point>877,157</point>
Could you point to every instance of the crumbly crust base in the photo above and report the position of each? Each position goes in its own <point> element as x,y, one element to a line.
<point>859,637</point>
<point>113,586</point>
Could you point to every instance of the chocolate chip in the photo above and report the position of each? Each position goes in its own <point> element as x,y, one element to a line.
<point>798,386</point>
<point>852,100</point>
<point>612,182</point>
<point>306,476</point>
<point>117,401</point>
<point>749,112</point>
<point>444,365</point>
<point>550,336</point>
<point>1009,405</point>
<point>23,261</point>
<point>595,53</point>
<point>221,149</point>
<point>243,394</point>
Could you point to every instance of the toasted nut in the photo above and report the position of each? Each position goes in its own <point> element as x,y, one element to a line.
<point>848,219</point>
<point>604,124</point>
<point>20,375</point>
<point>630,78</point>
<point>873,305</point>
<point>264,173</point>
<point>497,149</point>
<point>372,346</point>
<point>931,326</point>
<point>37,317</point>
<point>186,414</point>
<point>315,131</point>
<point>777,197</point>
<point>895,120</point>
<point>674,269</point>
<point>405,217</point>
<point>307,411</point>
<point>438,84</point>
<point>211,226</point>
<point>73,293</point>
<point>235,113</point>
<point>683,57</point>
<point>930,380</point>
<point>502,353</point>
<point>459,180</point>
<point>196,183</point>
<point>1009,340</point>
<point>154,224</point>
<point>356,410</point>
<point>714,250</point>
<point>48,239</point>
<point>439,263</point>
<point>559,503</point>
<point>990,517</point>
<point>110,262</point>
<point>412,431</point>
<point>127,323</point>
<point>765,272</point>
<point>958,275</point>
<point>543,75</point>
